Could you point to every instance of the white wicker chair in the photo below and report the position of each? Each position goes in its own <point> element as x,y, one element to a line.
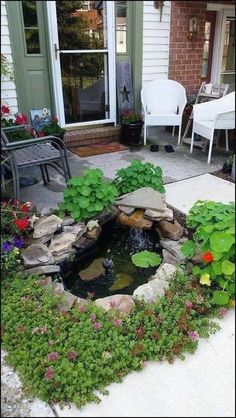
<point>218,114</point>
<point>163,104</point>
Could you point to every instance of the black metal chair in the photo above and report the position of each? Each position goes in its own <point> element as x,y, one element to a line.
<point>36,151</point>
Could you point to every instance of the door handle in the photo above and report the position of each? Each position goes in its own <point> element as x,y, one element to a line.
<point>56,50</point>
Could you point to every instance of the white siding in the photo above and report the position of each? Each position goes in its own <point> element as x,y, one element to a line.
<point>8,88</point>
<point>155,41</point>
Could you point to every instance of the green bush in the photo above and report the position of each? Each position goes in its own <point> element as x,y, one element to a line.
<point>214,239</point>
<point>139,175</point>
<point>68,356</point>
<point>87,195</point>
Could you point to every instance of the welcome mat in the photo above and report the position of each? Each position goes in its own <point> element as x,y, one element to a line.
<point>98,149</point>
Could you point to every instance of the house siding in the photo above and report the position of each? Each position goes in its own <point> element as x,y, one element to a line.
<point>8,88</point>
<point>155,41</point>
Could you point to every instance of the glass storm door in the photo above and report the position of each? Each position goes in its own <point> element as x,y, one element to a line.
<point>83,61</point>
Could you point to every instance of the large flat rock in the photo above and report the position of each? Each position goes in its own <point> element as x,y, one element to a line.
<point>182,194</point>
<point>143,198</point>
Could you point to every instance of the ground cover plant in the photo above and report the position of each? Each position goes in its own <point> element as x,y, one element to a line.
<point>213,224</point>
<point>87,195</point>
<point>137,175</point>
<point>68,356</point>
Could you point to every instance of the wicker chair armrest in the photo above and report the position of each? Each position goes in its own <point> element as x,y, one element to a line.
<point>34,141</point>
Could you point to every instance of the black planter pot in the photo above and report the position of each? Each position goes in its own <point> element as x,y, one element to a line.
<point>130,133</point>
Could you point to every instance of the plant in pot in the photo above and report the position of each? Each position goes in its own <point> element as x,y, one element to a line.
<point>53,128</point>
<point>131,127</point>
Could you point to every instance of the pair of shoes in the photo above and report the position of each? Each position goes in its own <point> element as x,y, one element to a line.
<point>169,148</point>
<point>154,148</point>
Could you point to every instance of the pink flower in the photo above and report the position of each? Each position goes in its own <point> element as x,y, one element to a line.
<point>93,317</point>
<point>188,304</point>
<point>97,325</point>
<point>139,331</point>
<point>117,322</point>
<point>53,356</point>
<point>223,312</point>
<point>159,319</point>
<point>5,109</point>
<point>49,374</point>
<point>72,355</point>
<point>82,309</point>
<point>193,335</point>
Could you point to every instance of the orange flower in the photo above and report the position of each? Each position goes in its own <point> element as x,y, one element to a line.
<point>208,257</point>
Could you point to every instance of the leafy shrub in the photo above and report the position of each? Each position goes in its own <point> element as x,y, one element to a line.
<point>87,195</point>
<point>214,225</point>
<point>68,356</point>
<point>138,175</point>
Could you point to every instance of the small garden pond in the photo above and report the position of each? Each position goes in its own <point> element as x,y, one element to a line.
<point>115,245</point>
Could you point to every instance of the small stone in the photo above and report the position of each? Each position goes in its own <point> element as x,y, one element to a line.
<point>47,225</point>
<point>93,271</point>
<point>43,269</point>
<point>173,231</point>
<point>126,209</point>
<point>135,220</point>
<point>92,224</point>
<point>94,233</point>
<point>36,255</point>
<point>121,303</point>
<point>159,215</point>
<point>152,290</point>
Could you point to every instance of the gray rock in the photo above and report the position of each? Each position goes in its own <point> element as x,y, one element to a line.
<point>169,258</point>
<point>78,229</point>
<point>143,198</point>
<point>159,215</point>
<point>166,272</point>
<point>93,271</point>
<point>57,288</point>
<point>121,303</point>
<point>43,240</point>
<point>174,248</point>
<point>63,257</point>
<point>67,302</point>
<point>43,269</point>
<point>37,255</point>
<point>67,221</point>
<point>126,209</point>
<point>107,215</point>
<point>152,290</point>
<point>47,225</point>
<point>174,231</point>
<point>62,243</point>
<point>94,233</point>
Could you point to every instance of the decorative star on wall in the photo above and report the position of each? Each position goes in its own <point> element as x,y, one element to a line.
<point>125,94</point>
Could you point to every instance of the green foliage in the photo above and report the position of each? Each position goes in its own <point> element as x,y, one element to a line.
<point>137,175</point>
<point>87,195</point>
<point>214,225</point>
<point>146,259</point>
<point>53,128</point>
<point>68,356</point>
<point>7,71</point>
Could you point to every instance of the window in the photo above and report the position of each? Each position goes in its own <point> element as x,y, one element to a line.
<point>31,28</point>
<point>228,61</point>
<point>208,46</point>
<point>121,27</point>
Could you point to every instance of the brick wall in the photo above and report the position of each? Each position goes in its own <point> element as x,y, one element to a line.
<point>185,55</point>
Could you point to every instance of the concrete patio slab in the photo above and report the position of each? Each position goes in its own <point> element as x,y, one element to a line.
<point>201,386</point>
<point>182,195</point>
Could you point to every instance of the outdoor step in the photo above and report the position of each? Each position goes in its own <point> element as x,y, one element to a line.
<point>92,136</point>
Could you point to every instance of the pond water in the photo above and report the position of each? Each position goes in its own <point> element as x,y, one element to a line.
<point>117,244</point>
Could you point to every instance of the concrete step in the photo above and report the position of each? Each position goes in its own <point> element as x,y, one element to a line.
<point>92,136</point>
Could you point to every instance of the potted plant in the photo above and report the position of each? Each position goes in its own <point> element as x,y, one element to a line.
<point>53,128</point>
<point>131,127</point>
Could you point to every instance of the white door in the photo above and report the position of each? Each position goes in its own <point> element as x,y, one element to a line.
<point>82,42</point>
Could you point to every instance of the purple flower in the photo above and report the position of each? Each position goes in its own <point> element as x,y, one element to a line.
<point>52,356</point>
<point>49,374</point>
<point>97,325</point>
<point>188,304</point>
<point>159,320</point>
<point>193,335</point>
<point>7,246</point>
<point>93,317</point>
<point>117,322</point>
<point>72,355</point>
<point>223,312</point>
<point>18,242</point>
<point>82,309</point>
<point>139,331</point>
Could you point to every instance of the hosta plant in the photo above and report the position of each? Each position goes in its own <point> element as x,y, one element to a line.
<point>214,240</point>
<point>87,195</point>
<point>138,175</point>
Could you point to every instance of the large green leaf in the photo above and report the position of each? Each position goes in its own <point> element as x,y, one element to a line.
<point>84,202</point>
<point>188,248</point>
<point>220,297</point>
<point>227,267</point>
<point>146,259</point>
<point>221,241</point>
<point>85,190</point>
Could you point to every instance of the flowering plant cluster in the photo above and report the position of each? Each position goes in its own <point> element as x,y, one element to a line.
<point>131,117</point>
<point>52,128</point>
<point>214,240</point>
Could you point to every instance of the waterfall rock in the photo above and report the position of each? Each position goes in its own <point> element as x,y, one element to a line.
<point>159,215</point>
<point>174,231</point>
<point>143,198</point>
<point>77,229</point>
<point>46,226</point>
<point>135,220</point>
<point>126,209</point>
<point>121,303</point>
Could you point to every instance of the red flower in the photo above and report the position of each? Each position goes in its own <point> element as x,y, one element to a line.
<point>25,208</point>
<point>208,257</point>
<point>21,119</point>
<point>41,133</point>
<point>5,109</point>
<point>22,223</point>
